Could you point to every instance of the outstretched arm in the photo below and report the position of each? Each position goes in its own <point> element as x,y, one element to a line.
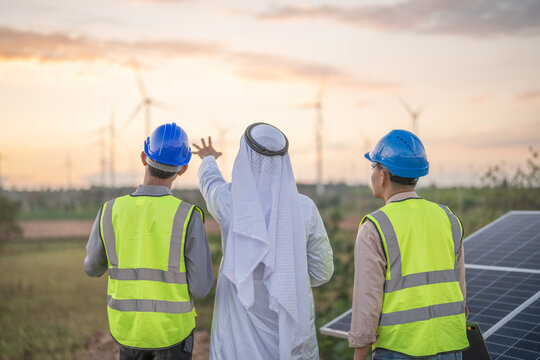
<point>214,188</point>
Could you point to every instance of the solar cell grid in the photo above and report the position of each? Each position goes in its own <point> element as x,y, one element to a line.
<point>519,338</point>
<point>511,241</point>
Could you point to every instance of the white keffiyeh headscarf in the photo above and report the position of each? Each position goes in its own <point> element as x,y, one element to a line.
<point>267,227</point>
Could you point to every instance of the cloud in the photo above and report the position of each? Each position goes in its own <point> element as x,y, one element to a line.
<point>481,18</point>
<point>277,68</point>
<point>529,95</point>
<point>164,1</point>
<point>477,99</point>
<point>60,47</point>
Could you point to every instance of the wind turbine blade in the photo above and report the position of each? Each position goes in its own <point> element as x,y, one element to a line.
<point>406,106</point>
<point>133,114</point>
<point>162,105</point>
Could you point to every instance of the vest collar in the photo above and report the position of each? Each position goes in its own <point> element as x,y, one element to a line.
<point>152,190</point>
<point>403,196</point>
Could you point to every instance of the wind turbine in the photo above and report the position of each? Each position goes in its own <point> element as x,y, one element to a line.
<point>223,130</point>
<point>317,105</point>
<point>318,139</point>
<point>146,103</point>
<point>414,114</point>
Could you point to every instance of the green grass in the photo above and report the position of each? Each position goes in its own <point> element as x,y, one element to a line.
<point>49,308</point>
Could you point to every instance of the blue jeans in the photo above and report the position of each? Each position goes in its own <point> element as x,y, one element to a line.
<point>383,354</point>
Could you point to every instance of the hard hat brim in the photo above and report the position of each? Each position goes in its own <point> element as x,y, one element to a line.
<point>366,155</point>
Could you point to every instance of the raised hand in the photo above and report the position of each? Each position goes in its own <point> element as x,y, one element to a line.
<point>206,150</point>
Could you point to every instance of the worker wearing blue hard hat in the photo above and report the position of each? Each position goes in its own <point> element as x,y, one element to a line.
<point>155,248</point>
<point>409,281</point>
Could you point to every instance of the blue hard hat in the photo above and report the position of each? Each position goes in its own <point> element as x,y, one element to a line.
<point>402,153</point>
<point>168,145</point>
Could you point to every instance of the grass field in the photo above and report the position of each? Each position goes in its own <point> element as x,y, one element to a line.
<point>49,308</point>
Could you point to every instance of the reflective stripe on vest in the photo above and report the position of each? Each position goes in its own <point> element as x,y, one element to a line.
<point>170,307</point>
<point>423,313</point>
<point>423,310</point>
<point>399,282</point>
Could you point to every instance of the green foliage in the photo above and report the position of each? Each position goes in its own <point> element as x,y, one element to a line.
<point>8,220</point>
<point>79,204</point>
<point>528,177</point>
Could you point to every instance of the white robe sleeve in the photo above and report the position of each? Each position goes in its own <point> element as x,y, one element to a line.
<point>215,190</point>
<point>319,250</point>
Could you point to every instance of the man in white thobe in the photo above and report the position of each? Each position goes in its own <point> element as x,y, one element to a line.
<point>275,248</point>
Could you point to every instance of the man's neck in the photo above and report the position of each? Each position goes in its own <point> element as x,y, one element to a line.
<point>155,181</point>
<point>393,191</point>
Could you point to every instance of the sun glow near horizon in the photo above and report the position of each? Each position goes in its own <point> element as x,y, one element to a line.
<point>65,73</point>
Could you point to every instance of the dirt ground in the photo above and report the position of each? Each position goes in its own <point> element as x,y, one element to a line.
<point>49,229</point>
<point>101,346</point>
<point>54,229</point>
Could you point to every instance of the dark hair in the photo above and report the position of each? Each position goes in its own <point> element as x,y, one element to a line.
<point>160,173</point>
<point>402,180</point>
<point>398,179</point>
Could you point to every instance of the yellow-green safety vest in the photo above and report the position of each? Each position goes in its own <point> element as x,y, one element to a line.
<point>423,310</point>
<point>148,303</point>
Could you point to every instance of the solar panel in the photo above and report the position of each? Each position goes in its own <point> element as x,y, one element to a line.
<point>513,241</point>
<point>503,286</point>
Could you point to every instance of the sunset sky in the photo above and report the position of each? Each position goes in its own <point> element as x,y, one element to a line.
<point>67,67</point>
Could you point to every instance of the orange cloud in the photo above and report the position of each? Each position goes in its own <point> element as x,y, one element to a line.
<point>60,47</point>
<point>18,45</point>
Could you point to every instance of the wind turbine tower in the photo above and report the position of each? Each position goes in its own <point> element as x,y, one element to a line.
<point>223,130</point>
<point>318,140</point>
<point>102,160</point>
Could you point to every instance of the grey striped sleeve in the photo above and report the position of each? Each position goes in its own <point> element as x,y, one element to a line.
<point>200,273</point>
<point>95,262</point>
